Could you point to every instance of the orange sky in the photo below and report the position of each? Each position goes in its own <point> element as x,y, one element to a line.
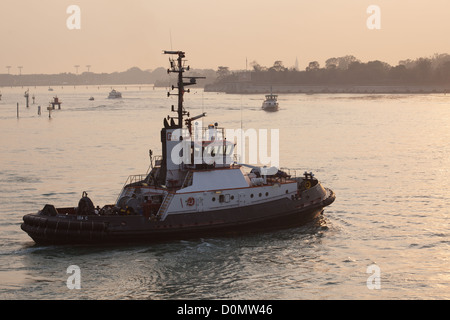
<point>117,34</point>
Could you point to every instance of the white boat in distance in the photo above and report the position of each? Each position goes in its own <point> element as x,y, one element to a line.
<point>114,95</point>
<point>271,103</point>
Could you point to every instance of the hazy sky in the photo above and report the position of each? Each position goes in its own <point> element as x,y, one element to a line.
<point>118,34</point>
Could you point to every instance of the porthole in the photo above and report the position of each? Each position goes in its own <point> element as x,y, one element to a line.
<point>260,194</point>
<point>213,199</point>
<point>251,196</point>
<point>232,197</point>
<point>267,194</point>
<point>287,191</point>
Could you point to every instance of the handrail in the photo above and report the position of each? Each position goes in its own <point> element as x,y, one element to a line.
<point>132,179</point>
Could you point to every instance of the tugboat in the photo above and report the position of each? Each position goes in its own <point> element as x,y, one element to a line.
<point>180,198</point>
<point>114,94</point>
<point>271,102</point>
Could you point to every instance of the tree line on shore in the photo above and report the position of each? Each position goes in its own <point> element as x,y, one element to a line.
<point>347,70</point>
<point>158,77</point>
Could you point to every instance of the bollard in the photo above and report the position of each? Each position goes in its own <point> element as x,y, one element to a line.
<point>27,95</point>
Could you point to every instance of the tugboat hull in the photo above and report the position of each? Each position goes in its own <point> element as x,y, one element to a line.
<point>73,229</point>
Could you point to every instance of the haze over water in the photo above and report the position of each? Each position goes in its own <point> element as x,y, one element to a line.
<point>385,156</point>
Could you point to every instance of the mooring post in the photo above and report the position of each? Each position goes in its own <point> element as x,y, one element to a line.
<point>39,110</point>
<point>27,96</point>
<point>17,110</point>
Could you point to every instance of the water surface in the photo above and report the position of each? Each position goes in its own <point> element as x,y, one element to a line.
<point>385,156</point>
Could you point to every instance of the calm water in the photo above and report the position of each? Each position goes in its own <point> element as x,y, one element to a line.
<point>385,156</point>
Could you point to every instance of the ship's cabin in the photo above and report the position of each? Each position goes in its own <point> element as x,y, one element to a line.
<point>271,97</point>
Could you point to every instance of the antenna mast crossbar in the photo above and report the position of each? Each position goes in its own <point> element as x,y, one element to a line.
<point>177,66</point>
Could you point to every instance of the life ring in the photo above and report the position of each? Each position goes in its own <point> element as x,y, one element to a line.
<point>190,201</point>
<point>308,184</point>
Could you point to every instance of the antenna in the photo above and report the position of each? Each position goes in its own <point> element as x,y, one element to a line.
<point>242,135</point>
<point>170,34</point>
<point>177,66</point>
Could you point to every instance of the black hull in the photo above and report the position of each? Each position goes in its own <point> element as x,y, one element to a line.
<point>66,229</point>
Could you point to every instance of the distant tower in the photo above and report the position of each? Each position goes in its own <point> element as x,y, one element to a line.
<point>88,67</point>
<point>296,64</point>
<point>8,67</point>
<point>76,67</point>
<point>20,70</point>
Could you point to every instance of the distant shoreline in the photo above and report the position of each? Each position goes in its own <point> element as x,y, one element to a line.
<point>133,76</point>
<point>243,88</point>
<point>276,89</point>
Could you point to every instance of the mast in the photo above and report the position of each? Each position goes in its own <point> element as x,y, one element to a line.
<point>171,174</point>
<point>177,66</point>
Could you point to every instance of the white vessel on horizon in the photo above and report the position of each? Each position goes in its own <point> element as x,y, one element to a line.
<point>271,102</point>
<point>115,94</point>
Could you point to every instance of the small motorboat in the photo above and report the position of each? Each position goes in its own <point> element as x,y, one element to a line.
<point>271,102</point>
<point>114,94</point>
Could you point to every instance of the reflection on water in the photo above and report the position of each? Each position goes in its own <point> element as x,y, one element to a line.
<point>385,156</point>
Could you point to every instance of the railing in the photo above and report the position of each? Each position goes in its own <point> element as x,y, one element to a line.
<point>293,173</point>
<point>135,178</point>
<point>130,180</point>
